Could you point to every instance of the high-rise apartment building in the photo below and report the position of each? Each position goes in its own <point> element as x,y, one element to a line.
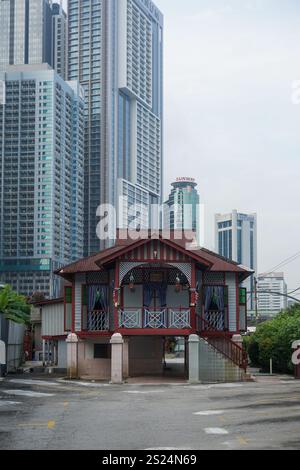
<point>41,177</point>
<point>25,32</point>
<point>33,32</point>
<point>236,239</point>
<point>272,294</point>
<point>182,209</point>
<point>115,50</point>
<point>59,40</point>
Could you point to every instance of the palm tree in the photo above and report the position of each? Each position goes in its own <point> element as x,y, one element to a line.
<point>13,306</point>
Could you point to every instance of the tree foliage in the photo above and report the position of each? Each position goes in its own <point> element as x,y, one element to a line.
<point>273,340</point>
<point>13,306</point>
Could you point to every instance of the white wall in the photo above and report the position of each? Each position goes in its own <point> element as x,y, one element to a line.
<point>134,299</point>
<point>53,320</point>
<point>62,354</point>
<point>232,300</point>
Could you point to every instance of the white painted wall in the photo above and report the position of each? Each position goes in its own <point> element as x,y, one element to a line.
<point>134,299</point>
<point>79,280</point>
<point>53,320</point>
<point>62,354</point>
<point>232,300</point>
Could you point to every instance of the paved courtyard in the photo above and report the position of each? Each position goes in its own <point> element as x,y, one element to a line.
<point>48,413</point>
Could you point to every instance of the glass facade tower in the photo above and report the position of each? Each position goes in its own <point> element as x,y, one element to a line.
<point>115,50</point>
<point>41,177</point>
<point>236,239</point>
<point>182,209</point>
<point>25,32</point>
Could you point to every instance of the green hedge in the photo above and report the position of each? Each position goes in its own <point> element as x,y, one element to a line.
<point>273,340</point>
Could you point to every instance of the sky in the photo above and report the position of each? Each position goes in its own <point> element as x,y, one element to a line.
<point>230,120</point>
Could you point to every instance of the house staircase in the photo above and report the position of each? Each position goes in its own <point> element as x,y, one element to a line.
<point>223,359</point>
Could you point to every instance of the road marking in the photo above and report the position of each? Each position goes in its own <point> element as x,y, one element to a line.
<point>140,392</point>
<point>49,425</point>
<point>242,441</point>
<point>210,413</point>
<point>9,403</point>
<point>83,384</point>
<point>27,393</point>
<point>232,385</point>
<point>215,431</point>
<point>212,386</point>
<point>34,382</point>
<point>168,448</point>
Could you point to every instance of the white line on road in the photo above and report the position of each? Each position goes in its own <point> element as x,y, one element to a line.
<point>140,392</point>
<point>210,413</point>
<point>215,431</point>
<point>9,403</point>
<point>232,385</point>
<point>34,382</point>
<point>83,384</point>
<point>27,393</point>
<point>169,448</point>
<point>209,387</point>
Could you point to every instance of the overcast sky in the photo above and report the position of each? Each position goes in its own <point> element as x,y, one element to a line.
<point>229,117</point>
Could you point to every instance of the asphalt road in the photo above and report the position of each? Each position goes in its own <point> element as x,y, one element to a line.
<point>50,414</point>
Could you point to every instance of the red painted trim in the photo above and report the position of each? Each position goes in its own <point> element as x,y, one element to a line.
<point>73,306</point>
<point>117,286</point>
<point>220,334</point>
<point>51,302</point>
<point>130,248</point>
<point>93,334</point>
<point>193,297</point>
<point>155,332</point>
<point>237,303</point>
<point>82,287</point>
<point>64,301</point>
<point>165,261</point>
<point>54,337</point>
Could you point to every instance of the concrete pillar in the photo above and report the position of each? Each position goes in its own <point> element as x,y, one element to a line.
<point>117,343</point>
<point>72,356</point>
<point>238,340</point>
<point>126,359</point>
<point>194,359</point>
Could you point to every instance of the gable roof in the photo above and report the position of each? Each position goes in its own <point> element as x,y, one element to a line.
<point>209,260</point>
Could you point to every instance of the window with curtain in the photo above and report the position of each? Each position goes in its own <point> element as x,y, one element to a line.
<point>215,298</point>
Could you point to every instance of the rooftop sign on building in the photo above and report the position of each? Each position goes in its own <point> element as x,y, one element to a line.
<point>185,180</point>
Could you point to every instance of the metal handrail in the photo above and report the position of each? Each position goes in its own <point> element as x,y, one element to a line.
<point>224,345</point>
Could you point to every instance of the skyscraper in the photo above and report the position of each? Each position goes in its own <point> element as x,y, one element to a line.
<point>182,209</point>
<point>115,50</point>
<point>272,291</point>
<point>236,239</point>
<point>59,40</point>
<point>41,177</point>
<point>25,32</point>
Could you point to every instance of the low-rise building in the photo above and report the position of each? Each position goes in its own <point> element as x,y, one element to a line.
<point>147,290</point>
